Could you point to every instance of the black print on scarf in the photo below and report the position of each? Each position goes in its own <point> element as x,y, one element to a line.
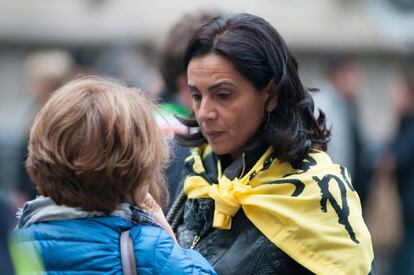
<point>304,166</point>
<point>210,174</point>
<point>266,165</point>
<point>306,163</point>
<point>343,213</point>
<point>299,186</point>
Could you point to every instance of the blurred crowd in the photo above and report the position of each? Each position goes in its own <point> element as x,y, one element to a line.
<point>382,174</point>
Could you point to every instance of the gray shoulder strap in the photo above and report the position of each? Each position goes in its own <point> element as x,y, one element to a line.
<point>129,266</point>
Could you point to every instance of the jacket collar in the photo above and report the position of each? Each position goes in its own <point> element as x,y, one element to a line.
<point>45,209</point>
<point>246,161</point>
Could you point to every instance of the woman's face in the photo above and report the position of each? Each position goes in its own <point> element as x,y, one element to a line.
<point>227,107</point>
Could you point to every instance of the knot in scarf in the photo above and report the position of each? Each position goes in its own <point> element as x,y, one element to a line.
<point>226,194</point>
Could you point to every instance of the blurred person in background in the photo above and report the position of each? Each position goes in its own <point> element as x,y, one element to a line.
<point>46,71</point>
<point>6,225</point>
<point>96,155</point>
<point>175,99</point>
<point>338,99</point>
<point>260,195</point>
<point>398,162</point>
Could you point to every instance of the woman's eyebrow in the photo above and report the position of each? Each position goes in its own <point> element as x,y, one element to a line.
<point>221,83</point>
<point>213,86</point>
<point>192,88</point>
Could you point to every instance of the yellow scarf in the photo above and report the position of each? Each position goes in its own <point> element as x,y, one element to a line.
<point>313,214</point>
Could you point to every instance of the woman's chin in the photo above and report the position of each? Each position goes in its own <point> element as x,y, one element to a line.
<point>219,150</point>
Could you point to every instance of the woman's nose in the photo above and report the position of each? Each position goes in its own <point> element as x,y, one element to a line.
<point>207,111</point>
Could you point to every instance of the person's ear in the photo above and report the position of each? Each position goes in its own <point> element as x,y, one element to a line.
<point>271,104</point>
<point>271,100</point>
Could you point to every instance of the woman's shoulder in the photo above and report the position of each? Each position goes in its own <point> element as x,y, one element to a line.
<point>166,256</point>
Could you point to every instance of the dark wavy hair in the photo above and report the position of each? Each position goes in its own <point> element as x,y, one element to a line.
<point>260,54</point>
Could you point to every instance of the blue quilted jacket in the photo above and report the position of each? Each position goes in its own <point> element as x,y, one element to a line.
<point>71,241</point>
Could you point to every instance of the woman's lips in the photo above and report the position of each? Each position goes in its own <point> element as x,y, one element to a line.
<point>213,135</point>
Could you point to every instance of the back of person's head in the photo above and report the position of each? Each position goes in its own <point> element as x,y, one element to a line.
<point>407,73</point>
<point>94,143</point>
<point>260,54</point>
<point>173,49</point>
<point>403,90</point>
<point>47,70</point>
<point>344,74</point>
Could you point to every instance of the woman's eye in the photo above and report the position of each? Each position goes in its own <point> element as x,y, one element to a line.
<point>223,95</point>
<point>196,97</point>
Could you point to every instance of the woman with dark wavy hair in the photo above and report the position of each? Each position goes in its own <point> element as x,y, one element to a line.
<point>260,195</point>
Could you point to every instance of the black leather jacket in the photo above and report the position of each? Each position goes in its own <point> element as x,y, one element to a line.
<point>241,250</point>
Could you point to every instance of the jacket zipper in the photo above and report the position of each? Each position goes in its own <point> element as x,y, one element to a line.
<point>195,241</point>
<point>244,165</point>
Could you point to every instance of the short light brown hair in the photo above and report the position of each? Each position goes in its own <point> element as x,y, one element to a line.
<point>94,143</point>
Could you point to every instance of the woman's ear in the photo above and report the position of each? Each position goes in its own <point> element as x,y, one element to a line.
<point>271,104</point>
<point>271,101</point>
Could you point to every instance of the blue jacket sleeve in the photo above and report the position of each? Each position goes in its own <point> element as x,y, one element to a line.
<point>157,253</point>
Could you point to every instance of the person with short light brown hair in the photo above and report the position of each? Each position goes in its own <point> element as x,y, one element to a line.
<point>94,144</point>
<point>96,154</point>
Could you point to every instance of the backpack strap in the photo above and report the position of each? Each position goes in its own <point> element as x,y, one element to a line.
<point>129,266</point>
